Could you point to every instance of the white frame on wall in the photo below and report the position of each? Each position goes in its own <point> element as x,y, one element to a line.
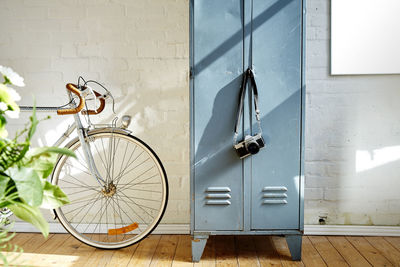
<point>365,37</point>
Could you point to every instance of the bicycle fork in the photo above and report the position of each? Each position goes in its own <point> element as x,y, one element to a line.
<point>87,153</point>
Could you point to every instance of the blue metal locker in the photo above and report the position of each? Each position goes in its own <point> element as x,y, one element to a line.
<point>263,193</point>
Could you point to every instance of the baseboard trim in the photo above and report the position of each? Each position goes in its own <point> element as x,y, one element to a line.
<point>308,229</point>
<point>352,230</point>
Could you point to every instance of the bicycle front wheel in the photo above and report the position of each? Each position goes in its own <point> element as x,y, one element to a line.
<point>128,206</point>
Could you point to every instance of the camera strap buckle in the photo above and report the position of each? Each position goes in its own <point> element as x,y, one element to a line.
<point>249,74</point>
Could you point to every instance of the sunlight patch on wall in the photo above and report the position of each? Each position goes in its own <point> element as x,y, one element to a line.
<point>366,159</point>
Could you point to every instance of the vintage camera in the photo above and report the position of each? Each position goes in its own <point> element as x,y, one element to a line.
<point>250,145</point>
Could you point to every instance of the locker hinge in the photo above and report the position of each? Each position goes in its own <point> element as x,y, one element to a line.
<point>191,73</point>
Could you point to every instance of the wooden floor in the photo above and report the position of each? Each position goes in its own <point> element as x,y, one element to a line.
<point>175,250</point>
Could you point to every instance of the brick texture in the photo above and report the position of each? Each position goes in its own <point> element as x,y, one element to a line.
<point>346,115</point>
<point>140,50</point>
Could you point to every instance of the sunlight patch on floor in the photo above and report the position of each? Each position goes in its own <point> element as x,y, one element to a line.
<point>37,259</point>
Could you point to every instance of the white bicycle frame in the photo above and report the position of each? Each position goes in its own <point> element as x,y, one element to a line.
<point>82,135</point>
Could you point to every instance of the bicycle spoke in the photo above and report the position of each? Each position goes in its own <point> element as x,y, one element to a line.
<point>117,201</point>
<point>134,168</point>
<point>128,162</point>
<point>144,190</point>
<point>83,158</point>
<point>90,201</point>
<point>123,158</point>
<point>80,201</point>
<point>76,214</point>
<point>98,153</point>
<point>110,148</point>
<point>84,185</point>
<point>137,177</point>
<point>117,196</point>
<point>115,224</point>
<point>139,206</point>
<point>107,215</point>
<point>141,181</point>
<point>147,199</point>
<point>119,176</point>
<point>131,201</point>
<point>71,165</point>
<point>69,194</point>
<point>87,226</point>
<point>113,160</point>
<point>105,158</point>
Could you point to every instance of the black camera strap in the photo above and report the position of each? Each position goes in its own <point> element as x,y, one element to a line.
<point>249,74</point>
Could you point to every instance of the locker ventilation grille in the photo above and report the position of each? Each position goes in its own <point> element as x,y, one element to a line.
<point>274,195</point>
<point>218,196</point>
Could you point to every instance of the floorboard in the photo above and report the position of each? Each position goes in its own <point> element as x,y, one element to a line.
<point>61,250</point>
<point>267,255</point>
<point>330,255</point>
<point>310,256</point>
<point>348,252</point>
<point>368,251</point>
<point>385,248</point>
<point>165,251</point>
<point>183,253</point>
<point>246,251</point>
<point>395,241</point>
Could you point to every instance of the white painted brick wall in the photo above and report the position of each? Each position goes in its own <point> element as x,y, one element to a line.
<point>140,50</point>
<point>347,115</point>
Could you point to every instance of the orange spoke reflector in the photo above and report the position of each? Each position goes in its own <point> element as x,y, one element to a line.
<point>123,230</point>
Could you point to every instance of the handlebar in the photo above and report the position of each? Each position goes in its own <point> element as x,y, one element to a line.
<point>99,109</point>
<point>79,108</point>
<point>72,88</point>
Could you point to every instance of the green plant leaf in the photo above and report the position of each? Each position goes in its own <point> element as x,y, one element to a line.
<point>32,215</point>
<point>53,197</point>
<point>42,166</point>
<point>28,184</point>
<point>43,159</point>
<point>34,153</point>
<point>3,184</point>
<point>34,123</point>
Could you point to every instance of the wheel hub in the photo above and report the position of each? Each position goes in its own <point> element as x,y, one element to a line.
<point>109,190</point>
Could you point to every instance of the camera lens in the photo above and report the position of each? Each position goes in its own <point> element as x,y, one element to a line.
<point>253,147</point>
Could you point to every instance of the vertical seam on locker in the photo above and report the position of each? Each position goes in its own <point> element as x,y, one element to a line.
<point>251,122</point>
<point>302,109</point>
<point>243,63</point>
<point>192,142</point>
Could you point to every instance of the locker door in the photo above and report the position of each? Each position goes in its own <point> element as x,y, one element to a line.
<point>277,63</point>
<point>218,65</point>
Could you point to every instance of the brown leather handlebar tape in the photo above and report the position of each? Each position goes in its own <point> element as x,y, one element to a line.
<point>99,109</point>
<point>72,88</point>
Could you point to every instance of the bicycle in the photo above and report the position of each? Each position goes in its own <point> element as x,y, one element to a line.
<point>117,185</point>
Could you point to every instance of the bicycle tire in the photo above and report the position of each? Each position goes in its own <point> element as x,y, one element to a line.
<point>101,239</point>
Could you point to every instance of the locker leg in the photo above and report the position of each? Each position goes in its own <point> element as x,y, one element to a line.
<point>198,244</point>
<point>294,244</point>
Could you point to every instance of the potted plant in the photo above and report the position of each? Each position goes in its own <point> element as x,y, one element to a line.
<point>24,169</point>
